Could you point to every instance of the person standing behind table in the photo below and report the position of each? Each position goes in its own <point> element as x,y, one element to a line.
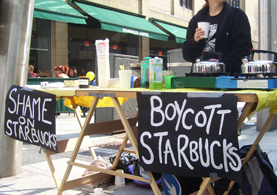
<point>229,34</point>
<point>61,72</point>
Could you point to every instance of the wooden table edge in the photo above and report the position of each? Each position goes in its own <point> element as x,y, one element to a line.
<point>242,97</point>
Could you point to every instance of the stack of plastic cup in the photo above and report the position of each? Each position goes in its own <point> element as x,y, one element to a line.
<point>119,181</point>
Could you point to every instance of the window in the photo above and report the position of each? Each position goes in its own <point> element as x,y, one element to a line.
<point>84,57</point>
<point>234,3</point>
<point>40,49</point>
<point>186,4</point>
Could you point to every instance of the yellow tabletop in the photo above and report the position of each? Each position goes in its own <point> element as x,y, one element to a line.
<point>68,93</point>
<point>266,98</point>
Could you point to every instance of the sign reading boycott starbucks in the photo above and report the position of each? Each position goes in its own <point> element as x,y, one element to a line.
<point>30,117</point>
<point>187,135</point>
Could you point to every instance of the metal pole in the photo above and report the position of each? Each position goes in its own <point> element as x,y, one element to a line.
<point>16,19</point>
<point>264,25</point>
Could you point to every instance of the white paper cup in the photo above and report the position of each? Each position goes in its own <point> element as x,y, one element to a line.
<point>205,26</point>
<point>125,79</point>
<point>119,181</point>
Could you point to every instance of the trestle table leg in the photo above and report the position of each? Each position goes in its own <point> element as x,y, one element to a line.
<point>245,112</point>
<point>78,144</point>
<point>133,141</point>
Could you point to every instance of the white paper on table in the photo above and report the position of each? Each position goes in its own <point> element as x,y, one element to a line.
<point>103,62</point>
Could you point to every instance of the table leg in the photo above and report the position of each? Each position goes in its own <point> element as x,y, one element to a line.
<point>229,188</point>
<point>121,149</point>
<point>126,125</point>
<point>247,109</point>
<point>76,111</point>
<point>259,138</point>
<point>78,144</point>
<point>244,113</point>
<point>116,160</point>
<point>133,141</point>
<point>206,185</point>
<point>53,171</point>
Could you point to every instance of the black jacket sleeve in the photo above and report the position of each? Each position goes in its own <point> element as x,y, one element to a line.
<point>241,44</point>
<point>192,50</point>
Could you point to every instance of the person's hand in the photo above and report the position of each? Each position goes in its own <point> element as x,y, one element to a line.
<point>199,32</point>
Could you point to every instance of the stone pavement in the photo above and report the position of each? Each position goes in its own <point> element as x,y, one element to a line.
<point>35,177</point>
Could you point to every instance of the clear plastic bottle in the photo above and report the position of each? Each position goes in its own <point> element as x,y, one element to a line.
<point>156,73</point>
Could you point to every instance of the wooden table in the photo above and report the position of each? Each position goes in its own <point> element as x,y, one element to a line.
<point>251,100</point>
<point>68,93</point>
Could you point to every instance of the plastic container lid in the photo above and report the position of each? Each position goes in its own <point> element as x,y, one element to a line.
<point>147,58</point>
<point>145,62</point>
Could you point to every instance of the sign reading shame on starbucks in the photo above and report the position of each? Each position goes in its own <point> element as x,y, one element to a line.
<point>30,117</point>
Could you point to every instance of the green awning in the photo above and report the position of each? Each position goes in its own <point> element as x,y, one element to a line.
<point>179,32</point>
<point>124,23</point>
<point>57,10</point>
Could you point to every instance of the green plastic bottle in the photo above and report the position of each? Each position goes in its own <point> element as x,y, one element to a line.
<point>145,72</point>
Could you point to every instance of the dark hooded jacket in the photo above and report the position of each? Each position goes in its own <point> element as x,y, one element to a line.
<point>233,38</point>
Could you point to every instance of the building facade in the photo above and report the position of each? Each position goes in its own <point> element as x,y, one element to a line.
<point>57,43</point>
